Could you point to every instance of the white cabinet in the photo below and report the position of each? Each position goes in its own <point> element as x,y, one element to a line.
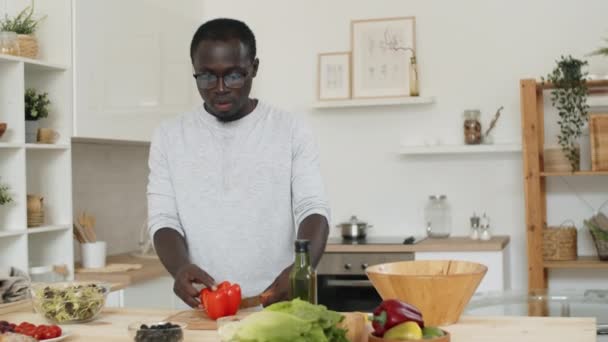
<point>152,294</point>
<point>134,70</point>
<point>496,279</point>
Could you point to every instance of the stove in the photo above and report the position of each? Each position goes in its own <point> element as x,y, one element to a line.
<point>377,240</point>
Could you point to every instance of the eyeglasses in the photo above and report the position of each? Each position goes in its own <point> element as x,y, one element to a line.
<point>234,79</point>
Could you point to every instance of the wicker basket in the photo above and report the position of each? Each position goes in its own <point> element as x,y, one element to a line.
<point>560,243</point>
<point>555,160</point>
<point>28,45</point>
<point>598,134</point>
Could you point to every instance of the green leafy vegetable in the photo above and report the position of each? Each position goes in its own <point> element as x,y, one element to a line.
<point>296,320</point>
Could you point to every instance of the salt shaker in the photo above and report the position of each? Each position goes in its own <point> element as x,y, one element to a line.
<point>474,227</point>
<point>485,228</point>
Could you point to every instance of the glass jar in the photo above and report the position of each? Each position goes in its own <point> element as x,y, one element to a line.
<point>472,127</point>
<point>438,217</point>
<point>9,45</point>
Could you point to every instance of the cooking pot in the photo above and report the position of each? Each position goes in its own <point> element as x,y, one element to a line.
<point>354,229</point>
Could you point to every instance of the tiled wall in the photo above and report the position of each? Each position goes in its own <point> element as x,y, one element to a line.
<point>109,182</point>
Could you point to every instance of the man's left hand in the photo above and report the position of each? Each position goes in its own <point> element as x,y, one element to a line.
<point>277,291</point>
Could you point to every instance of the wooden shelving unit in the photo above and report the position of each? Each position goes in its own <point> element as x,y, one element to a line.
<point>582,262</point>
<point>532,112</point>
<point>43,169</point>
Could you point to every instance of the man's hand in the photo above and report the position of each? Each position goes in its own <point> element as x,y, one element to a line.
<point>185,277</point>
<point>277,291</point>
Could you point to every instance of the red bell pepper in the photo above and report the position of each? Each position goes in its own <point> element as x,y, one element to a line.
<point>392,312</point>
<point>224,301</point>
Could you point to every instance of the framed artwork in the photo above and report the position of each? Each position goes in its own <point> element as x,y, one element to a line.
<point>334,76</point>
<point>381,52</point>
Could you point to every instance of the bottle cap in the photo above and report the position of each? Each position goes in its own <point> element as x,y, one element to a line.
<point>302,246</point>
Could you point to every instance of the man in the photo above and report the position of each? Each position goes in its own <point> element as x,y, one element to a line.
<point>231,181</point>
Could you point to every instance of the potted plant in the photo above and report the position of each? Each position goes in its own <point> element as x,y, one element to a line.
<point>5,196</point>
<point>36,108</point>
<point>24,25</point>
<point>570,99</point>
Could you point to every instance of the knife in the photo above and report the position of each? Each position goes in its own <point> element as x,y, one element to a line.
<point>250,302</point>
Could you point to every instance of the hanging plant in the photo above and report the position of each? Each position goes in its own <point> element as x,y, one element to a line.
<point>570,99</point>
<point>5,196</point>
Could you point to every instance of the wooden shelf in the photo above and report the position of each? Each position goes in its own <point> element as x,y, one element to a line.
<point>460,149</point>
<point>47,146</point>
<point>588,262</point>
<point>389,101</point>
<point>590,84</point>
<point>44,229</point>
<point>577,173</point>
<point>33,64</point>
<point>7,233</point>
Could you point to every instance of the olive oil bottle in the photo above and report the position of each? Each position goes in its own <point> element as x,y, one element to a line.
<point>303,278</point>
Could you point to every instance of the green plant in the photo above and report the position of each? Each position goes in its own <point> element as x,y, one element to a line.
<point>36,105</point>
<point>5,196</point>
<point>603,51</point>
<point>23,23</point>
<point>570,99</point>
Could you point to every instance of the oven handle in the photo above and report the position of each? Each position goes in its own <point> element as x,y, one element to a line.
<point>349,283</point>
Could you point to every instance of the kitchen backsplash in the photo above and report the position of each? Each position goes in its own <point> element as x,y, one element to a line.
<point>109,182</point>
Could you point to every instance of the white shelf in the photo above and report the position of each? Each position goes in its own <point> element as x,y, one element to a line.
<point>33,64</point>
<point>389,101</point>
<point>47,146</point>
<point>44,229</point>
<point>10,145</point>
<point>6,233</point>
<point>99,141</point>
<point>460,149</point>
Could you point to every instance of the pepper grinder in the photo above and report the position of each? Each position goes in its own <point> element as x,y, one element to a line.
<point>485,228</point>
<point>474,227</point>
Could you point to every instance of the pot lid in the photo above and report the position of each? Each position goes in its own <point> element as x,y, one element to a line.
<point>354,220</point>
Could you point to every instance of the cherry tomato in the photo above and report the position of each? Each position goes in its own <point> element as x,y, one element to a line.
<point>56,330</point>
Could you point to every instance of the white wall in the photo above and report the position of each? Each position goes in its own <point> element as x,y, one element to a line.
<point>472,54</point>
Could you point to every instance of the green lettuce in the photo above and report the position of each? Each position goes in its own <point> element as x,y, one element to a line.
<point>296,320</point>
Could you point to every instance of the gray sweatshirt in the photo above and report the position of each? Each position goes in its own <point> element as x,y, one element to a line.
<point>236,191</point>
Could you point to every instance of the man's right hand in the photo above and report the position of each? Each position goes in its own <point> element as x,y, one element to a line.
<point>185,277</point>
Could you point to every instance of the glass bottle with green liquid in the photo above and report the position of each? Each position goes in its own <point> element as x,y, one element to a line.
<point>303,277</point>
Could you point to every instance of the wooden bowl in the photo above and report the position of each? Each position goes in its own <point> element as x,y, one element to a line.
<point>444,338</point>
<point>2,128</point>
<point>439,289</point>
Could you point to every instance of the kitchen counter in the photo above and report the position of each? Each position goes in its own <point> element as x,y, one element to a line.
<point>151,269</point>
<point>112,326</point>
<point>451,244</point>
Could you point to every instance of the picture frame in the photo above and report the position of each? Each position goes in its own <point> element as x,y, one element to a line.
<point>381,52</point>
<point>334,76</point>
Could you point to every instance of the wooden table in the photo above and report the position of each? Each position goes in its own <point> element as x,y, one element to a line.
<point>112,326</point>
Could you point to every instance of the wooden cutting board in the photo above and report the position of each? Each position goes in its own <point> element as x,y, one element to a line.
<point>354,322</point>
<point>198,320</point>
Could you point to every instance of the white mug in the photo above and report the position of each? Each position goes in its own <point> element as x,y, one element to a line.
<point>93,254</point>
